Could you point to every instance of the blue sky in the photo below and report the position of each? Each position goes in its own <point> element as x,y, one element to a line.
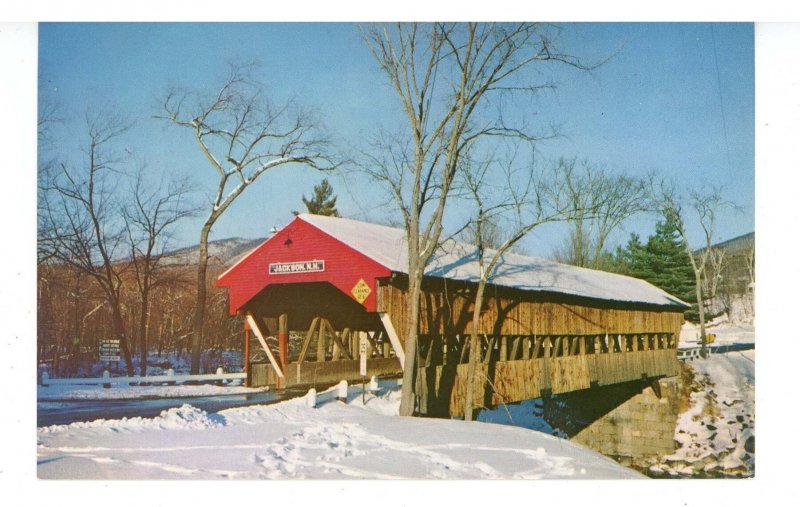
<point>676,98</point>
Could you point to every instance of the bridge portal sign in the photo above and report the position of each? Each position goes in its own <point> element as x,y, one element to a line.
<point>109,350</point>
<point>291,268</point>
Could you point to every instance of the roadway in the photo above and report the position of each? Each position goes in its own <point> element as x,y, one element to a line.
<point>51,412</point>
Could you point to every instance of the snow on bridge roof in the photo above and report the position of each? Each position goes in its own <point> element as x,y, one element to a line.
<point>458,261</point>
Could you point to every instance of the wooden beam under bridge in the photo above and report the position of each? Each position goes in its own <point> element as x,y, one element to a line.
<point>257,331</point>
<point>336,358</point>
<point>393,338</point>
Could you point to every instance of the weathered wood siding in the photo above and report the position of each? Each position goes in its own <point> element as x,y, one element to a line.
<point>260,374</point>
<point>512,381</point>
<point>446,308</point>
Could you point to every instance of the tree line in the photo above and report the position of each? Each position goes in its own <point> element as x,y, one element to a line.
<point>105,225</point>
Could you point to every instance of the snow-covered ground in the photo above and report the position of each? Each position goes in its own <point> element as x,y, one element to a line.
<point>290,440</point>
<point>89,392</point>
<point>717,433</point>
<point>347,440</point>
<point>726,333</point>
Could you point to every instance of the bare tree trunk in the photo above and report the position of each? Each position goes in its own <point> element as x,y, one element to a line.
<point>408,398</point>
<point>143,334</point>
<point>698,287</point>
<point>474,355</point>
<point>200,303</point>
<point>119,331</point>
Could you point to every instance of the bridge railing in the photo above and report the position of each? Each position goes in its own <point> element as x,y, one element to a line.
<point>690,353</point>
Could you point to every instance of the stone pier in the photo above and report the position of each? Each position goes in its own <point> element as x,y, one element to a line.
<point>629,421</point>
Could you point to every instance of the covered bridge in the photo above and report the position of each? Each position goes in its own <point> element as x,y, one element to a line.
<point>547,328</point>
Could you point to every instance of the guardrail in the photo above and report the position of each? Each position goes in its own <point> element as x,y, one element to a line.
<point>170,378</point>
<point>689,353</point>
<point>340,392</point>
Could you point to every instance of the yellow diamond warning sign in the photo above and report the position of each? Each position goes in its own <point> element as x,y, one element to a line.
<point>361,291</point>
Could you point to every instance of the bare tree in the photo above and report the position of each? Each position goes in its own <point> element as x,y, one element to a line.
<point>48,115</point>
<point>750,291</point>
<point>750,259</point>
<point>444,75</point>
<point>523,200</point>
<point>80,213</point>
<point>597,203</point>
<point>705,205</point>
<point>714,277</point>
<point>242,135</point>
<point>148,218</point>
<point>737,287</point>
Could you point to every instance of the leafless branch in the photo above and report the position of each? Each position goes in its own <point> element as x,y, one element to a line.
<point>442,74</point>
<point>704,204</point>
<point>242,135</point>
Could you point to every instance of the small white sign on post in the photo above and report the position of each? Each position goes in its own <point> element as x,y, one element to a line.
<point>109,350</point>
<point>362,349</point>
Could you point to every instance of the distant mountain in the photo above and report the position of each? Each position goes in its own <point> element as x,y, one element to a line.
<point>738,243</point>
<point>734,245</point>
<point>228,251</point>
<point>224,251</point>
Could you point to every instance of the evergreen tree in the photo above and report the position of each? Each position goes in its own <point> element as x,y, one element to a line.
<point>323,202</point>
<point>661,261</point>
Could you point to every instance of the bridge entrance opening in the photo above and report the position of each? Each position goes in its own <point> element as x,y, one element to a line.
<point>316,330</point>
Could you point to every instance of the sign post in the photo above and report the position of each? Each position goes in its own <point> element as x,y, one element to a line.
<point>362,349</point>
<point>109,351</point>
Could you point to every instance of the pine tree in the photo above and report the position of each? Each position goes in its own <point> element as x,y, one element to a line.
<point>661,261</point>
<point>323,202</point>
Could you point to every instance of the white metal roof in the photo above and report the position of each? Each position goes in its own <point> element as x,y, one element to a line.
<point>458,261</point>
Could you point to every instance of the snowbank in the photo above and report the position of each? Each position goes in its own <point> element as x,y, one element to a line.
<point>716,435</point>
<point>185,417</point>
<point>289,440</point>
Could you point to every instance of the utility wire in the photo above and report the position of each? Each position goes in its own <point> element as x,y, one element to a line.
<point>721,106</point>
